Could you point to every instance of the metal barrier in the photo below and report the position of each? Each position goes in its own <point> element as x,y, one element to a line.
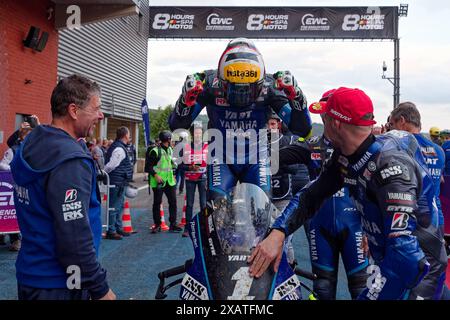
<point>104,190</point>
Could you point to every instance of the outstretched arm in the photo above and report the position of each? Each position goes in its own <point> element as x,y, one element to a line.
<point>190,103</point>
<point>301,207</point>
<point>289,102</point>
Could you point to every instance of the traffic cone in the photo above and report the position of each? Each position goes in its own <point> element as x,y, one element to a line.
<point>126,218</point>
<point>183,217</point>
<point>164,226</point>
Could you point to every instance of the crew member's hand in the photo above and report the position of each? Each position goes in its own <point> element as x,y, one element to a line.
<point>192,87</point>
<point>285,82</point>
<point>158,178</point>
<point>109,296</point>
<point>267,251</point>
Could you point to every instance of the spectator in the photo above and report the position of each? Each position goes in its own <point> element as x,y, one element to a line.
<point>56,201</point>
<point>14,238</point>
<point>435,135</point>
<point>445,134</point>
<point>131,151</point>
<point>195,157</point>
<point>105,144</point>
<point>97,154</point>
<point>180,170</point>
<point>120,170</point>
<point>162,180</point>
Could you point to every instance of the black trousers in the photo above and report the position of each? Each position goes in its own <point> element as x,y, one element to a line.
<point>28,293</point>
<point>170,192</point>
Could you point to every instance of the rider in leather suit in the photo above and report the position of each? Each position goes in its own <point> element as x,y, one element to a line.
<point>240,95</point>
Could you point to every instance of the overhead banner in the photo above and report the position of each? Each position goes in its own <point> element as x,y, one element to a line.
<point>274,22</point>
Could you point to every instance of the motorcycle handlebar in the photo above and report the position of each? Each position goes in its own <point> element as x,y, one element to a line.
<point>305,274</point>
<point>176,270</point>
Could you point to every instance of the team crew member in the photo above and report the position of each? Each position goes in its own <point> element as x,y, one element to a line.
<point>335,230</point>
<point>162,181</point>
<point>389,181</point>
<point>406,117</point>
<point>57,203</point>
<point>195,156</point>
<point>329,237</point>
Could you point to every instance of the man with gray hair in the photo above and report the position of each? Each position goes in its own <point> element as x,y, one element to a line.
<point>406,117</point>
<point>57,201</point>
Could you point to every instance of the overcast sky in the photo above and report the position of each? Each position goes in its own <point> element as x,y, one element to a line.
<point>319,66</point>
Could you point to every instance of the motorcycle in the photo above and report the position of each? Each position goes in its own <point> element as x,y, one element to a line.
<point>223,236</point>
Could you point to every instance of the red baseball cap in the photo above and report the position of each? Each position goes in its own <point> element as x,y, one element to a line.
<point>351,106</point>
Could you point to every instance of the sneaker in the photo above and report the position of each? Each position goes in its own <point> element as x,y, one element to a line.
<point>15,246</point>
<point>113,236</point>
<point>175,228</point>
<point>123,233</point>
<point>185,234</point>
<point>155,228</point>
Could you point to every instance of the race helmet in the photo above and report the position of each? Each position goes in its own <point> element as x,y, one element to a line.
<point>165,136</point>
<point>131,192</point>
<point>241,72</point>
<point>184,135</point>
<point>434,131</point>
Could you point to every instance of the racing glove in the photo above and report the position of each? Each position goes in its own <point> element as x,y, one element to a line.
<point>192,87</point>
<point>285,81</point>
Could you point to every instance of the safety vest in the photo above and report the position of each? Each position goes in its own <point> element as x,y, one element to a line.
<point>164,167</point>
<point>195,156</point>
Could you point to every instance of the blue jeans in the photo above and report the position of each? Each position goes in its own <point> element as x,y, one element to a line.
<point>190,196</point>
<point>117,198</point>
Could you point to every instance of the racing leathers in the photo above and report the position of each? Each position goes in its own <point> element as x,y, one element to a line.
<point>435,159</point>
<point>329,236</point>
<point>236,154</point>
<point>393,190</point>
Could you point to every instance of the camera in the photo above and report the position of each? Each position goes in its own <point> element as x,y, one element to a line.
<point>32,121</point>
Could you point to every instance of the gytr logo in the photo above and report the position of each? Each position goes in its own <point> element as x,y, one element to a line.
<point>71,195</point>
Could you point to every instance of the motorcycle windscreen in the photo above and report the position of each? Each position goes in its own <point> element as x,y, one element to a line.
<point>235,227</point>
